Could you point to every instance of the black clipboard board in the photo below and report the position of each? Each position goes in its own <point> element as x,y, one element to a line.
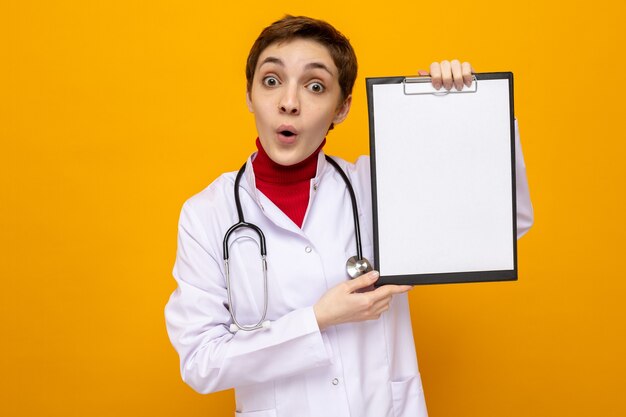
<point>443,180</point>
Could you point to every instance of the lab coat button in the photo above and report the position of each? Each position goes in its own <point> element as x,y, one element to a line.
<point>335,381</point>
<point>308,249</point>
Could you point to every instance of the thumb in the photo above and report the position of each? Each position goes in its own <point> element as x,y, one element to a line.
<point>363,281</point>
<point>423,73</point>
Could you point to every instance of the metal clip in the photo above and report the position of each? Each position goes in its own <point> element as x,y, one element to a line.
<point>427,87</point>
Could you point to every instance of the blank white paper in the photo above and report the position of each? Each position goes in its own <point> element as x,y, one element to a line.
<point>443,180</point>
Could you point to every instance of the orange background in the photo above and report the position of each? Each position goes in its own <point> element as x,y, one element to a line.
<point>113,113</point>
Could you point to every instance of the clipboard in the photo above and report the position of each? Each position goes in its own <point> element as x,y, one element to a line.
<point>443,180</point>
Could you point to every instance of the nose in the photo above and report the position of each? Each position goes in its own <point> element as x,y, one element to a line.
<point>289,101</point>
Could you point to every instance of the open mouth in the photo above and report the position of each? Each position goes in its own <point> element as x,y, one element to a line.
<point>287,133</point>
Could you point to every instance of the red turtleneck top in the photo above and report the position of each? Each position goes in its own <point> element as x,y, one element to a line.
<point>287,186</point>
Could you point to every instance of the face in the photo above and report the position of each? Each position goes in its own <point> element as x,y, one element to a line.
<point>295,96</point>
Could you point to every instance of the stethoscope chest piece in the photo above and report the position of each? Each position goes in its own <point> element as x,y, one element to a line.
<point>357,267</point>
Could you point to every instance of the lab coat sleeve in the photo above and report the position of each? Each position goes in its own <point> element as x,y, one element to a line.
<point>211,357</point>
<point>522,195</point>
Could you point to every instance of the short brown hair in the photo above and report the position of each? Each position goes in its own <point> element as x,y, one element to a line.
<point>302,27</point>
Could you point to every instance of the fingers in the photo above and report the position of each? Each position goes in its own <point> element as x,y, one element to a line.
<point>379,308</point>
<point>380,299</point>
<point>446,74</point>
<point>435,75</point>
<point>467,71</point>
<point>363,281</point>
<point>457,74</point>
<point>344,303</point>
<point>450,74</point>
<point>387,291</point>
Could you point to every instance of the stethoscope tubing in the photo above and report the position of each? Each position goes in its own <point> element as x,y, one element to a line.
<point>242,223</point>
<point>262,323</point>
<point>355,212</point>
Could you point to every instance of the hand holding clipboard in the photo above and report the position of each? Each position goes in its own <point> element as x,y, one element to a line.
<point>449,74</point>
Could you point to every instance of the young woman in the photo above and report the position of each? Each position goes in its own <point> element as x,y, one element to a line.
<point>325,345</point>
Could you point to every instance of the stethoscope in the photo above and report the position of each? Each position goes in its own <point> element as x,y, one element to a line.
<point>355,266</point>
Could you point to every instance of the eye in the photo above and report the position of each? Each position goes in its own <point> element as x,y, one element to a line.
<point>316,87</point>
<point>270,81</point>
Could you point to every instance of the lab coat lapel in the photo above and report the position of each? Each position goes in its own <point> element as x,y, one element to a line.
<point>269,209</point>
<point>321,166</point>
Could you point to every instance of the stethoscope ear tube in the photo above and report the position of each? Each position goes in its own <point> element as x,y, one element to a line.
<point>265,325</point>
<point>262,323</point>
<point>241,225</point>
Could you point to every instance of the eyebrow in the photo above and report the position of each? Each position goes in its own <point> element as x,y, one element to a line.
<point>312,65</point>
<point>320,66</point>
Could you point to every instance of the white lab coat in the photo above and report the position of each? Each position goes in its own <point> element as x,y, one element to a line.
<point>292,369</point>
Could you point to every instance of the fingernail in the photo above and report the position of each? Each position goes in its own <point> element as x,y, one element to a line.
<point>374,275</point>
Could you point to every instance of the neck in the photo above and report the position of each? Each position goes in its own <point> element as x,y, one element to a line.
<point>288,187</point>
<point>269,171</point>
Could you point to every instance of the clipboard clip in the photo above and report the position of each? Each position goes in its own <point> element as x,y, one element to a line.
<point>422,85</point>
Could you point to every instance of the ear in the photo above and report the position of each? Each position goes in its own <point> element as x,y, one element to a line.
<point>249,102</point>
<point>343,110</point>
